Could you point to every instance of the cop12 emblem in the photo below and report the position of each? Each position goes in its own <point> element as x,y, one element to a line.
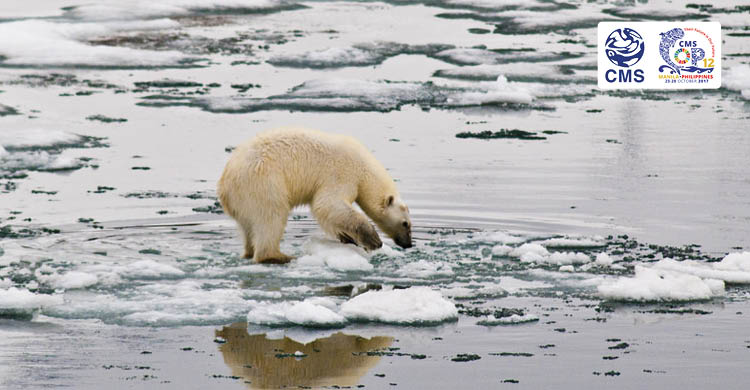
<point>688,55</point>
<point>658,55</point>
<point>624,47</point>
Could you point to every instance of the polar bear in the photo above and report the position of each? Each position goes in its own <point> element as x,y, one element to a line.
<point>277,170</point>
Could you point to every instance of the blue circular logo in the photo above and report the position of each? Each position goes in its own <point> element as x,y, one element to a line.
<point>624,47</point>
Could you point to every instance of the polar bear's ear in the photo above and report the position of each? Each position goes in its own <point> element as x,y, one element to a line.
<point>389,201</point>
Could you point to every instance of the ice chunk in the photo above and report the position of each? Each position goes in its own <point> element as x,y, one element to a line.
<point>573,242</point>
<point>323,252</point>
<point>510,320</point>
<point>348,95</point>
<point>498,237</point>
<point>501,250</point>
<point>738,78</point>
<point>38,139</point>
<point>144,9</point>
<point>44,43</point>
<point>307,313</point>
<point>651,284</point>
<point>151,269</point>
<point>70,280</point>
<point>426,269</point>
<point>529,248</point>
<point>604,259</point>
<point>735,262</point>
<point>729,272</point>
<point>566,268</point>
<point>415,305</point>
<point>328,58</point>
<point>21,299</point>
<point>566,258</point>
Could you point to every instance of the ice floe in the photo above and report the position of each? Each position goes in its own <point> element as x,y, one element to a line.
<point>426,269</point>
<point>69,280</point>
<point>652,285</point>
<point>734,268</point>
<point>51,43</point>
<point>513,319</point>
<point>323,252</point>
<point>363,54</point>
<point>574,242</point>
<point>350,95</point>
<point>737,78</point>
<point>142,9</point>
<point>306,313</point>
<point>414,306</point>
<point>20,301</point>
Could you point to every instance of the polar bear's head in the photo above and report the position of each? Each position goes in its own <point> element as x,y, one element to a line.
<point>395,221</point>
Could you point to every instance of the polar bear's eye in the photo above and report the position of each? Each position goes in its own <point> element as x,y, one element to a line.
<point>405,224</point>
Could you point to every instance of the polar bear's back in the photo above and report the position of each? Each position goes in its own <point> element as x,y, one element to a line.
<point>299,161</point>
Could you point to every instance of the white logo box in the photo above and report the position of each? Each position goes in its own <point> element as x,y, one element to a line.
<point>659,55</point>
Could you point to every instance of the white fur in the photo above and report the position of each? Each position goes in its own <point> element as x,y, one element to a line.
<point>277,170</point>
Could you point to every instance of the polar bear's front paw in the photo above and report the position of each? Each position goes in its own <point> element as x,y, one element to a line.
<point>367,237</point>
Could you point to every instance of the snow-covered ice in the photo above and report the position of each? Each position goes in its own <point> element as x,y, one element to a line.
<point>415,305</point>
<point>651,285</point>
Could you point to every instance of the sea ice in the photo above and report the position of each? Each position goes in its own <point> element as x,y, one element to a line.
<point>604,259</point>
<point>307,313</point>
<point>510,320</point>
<point>738,78</point>
<point>45,43</point>
<point>19,139</point>
<point>144,9</point>
<point>70,280</point>
<point>497,237</point>
<point>574,242</point>
<point>651,284</point>
<point>413,305</point>
<point>426,269</point>
<point>21,299</point>
<point>323,252</point>
<point>151,269</point>
<point>729,270</point>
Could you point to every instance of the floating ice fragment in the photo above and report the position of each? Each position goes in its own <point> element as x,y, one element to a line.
<point>529,249</point>
<point>729,271</point>
<point>510,320</point>
<point>737,78</point>
<point>70,280</point>
<point>564,258</point>
<point>45,43</point>
<point>322,252</point>
<point>604,259</point>
<point>21,299</point>
<point>501,250</point>
<point>569,242</point>
<point>498,237</point>
<point>415,305</point>
<point>307,313</point>
<point>426,269</point>
<point>651,284</point>
<point>735,261</point>
<point>151,269</point>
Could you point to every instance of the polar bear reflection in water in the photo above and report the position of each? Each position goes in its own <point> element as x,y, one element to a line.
<point>336,360</point>
<point>278,170</point>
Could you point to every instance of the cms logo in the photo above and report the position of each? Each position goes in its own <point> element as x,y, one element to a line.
<point>624,47</point>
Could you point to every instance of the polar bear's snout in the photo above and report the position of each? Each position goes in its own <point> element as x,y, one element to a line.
<point>403,240</point>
